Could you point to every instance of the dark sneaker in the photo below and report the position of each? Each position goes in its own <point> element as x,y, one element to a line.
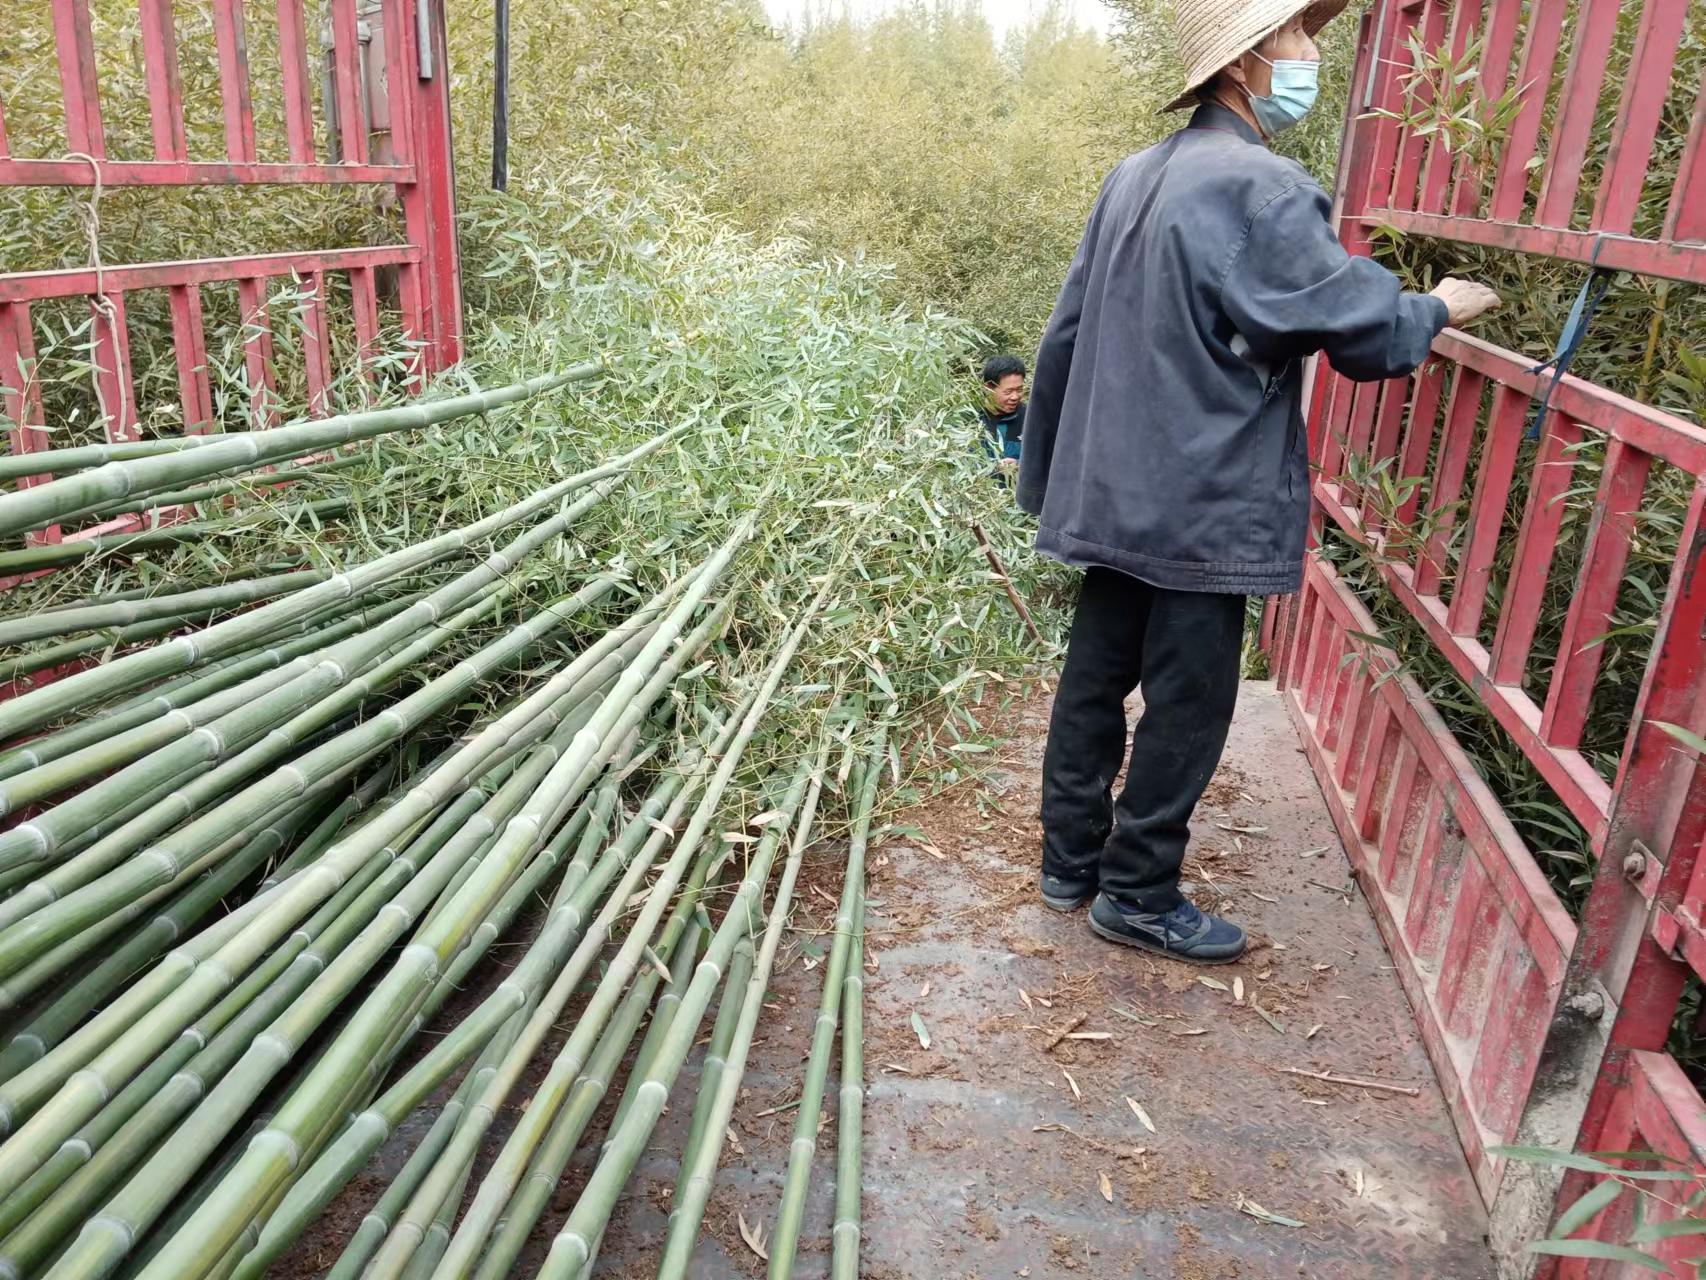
<point>1061,894</point>
<point>1184,933</point>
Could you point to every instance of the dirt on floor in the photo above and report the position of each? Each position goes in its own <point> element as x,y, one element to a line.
<point>1041,1104</point>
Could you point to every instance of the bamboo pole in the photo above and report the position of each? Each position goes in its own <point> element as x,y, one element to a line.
<point>849,1132</point>
<point>175,605</point>
<point>41,504</point>
<point>785,1239</point>
<point>123,675</point>
<point>699,1163</point>
<point>572,1249</point>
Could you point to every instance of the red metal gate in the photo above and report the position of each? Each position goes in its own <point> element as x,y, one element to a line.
<point>382,119</point>
<point>1545,1030</point>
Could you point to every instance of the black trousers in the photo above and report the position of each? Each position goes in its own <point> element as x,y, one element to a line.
<point>1183,648</point>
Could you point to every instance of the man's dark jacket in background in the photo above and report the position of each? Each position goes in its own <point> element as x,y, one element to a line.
<point>1004,432</point>
<point>1164,436</point>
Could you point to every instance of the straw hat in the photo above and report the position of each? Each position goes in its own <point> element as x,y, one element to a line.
<point>1212,33</point>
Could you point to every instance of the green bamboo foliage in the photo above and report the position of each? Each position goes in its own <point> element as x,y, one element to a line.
<point>785,1240</point>
<point>43,503</point>
<point>699,1161</point>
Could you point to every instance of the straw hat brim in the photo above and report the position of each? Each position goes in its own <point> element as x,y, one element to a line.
<point>1245,26</point>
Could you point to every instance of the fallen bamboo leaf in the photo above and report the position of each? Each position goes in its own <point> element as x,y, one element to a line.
<point>733,1140</point>
<point>1315,853</point>
<point>1140,1113</point>
<point>766,818</point>
<point>655,825</point>
<point>1238,990</point>
<point>895,1066</point>
<point>754,1236</point>
<point>653,960</point>
<point>1132,1017</point>
<point>1268,1017</point>
<point>1215,983</point>
<point>1025,999</point>
<point>1310,1034</point>
<point>924,990</point>
<point>1262,896</point>
<point>1090,1035</point>
<point>1189,1031</point>
<point>1076,1092</point>
<point>1361,1185</point>
<point>933,851</point>
<point>1106,1185</point>
<point>1256,1211</point>
<point>923,1032</point>
<point>738,837</point>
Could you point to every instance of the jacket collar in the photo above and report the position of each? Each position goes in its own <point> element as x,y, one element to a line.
<point>1211,115</point>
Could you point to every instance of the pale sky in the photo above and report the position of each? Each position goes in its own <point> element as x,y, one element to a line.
<point>1002,14</point>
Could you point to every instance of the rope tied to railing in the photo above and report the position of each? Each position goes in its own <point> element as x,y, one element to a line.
<point>1587,302</point>
<point>89,214</point>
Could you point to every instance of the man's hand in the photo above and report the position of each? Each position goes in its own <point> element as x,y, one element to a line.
<point>1465,299</point>
<point>1008,466</point>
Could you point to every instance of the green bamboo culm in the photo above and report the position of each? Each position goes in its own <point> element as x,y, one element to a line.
<point>271,1157</point>
<point>850,1122</point>
<point>178,604</point>
<point>699,1161</point>
<point>572,1249</point>
<point>785,1239</point>
<point>129,673</point>
<point>239,481</point>
<point>42,504</point>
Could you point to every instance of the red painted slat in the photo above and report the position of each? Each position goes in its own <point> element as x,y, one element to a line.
<point>258,350</point>
<point>233,41</point>
<point>1623,480</point>
<point>317,347</point>
<point>1578,100</point>
<point>346,75</point>
<point>1541,518</point>
<point>189,344</point>
<point>165,92</point>
<point>399,23</point>
<point>1499,449</point>
<point>22,397</point>
<point>1410,150</point>
<point>29,285</point>
<point>112,367</point>
<point>429,205</point>
<point>1379,758</point>
<point>1503,18</point>
<point>1383,446</point>
<point>1436,172</point>
<point>298,97</point>
<point>1686,217</point>
<point>75,46</point>
<point>1364,399</point>
<point>1470,944</point>
<point>1418,438</point>
<point>1463,411</point>
<point>1618,253</point>
<point>5,142</point>
<point>364,305</point>
<point>160,173</point>
<point>1398,835</point>
<point>1350,719</point>
<point>1539,56</point>
<point>1645,88</point>
<point>1439,864</point>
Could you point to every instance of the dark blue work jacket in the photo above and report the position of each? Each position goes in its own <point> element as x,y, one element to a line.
<point>1164,436</point>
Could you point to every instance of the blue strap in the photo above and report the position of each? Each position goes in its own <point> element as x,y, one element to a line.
<point>1592,292</point>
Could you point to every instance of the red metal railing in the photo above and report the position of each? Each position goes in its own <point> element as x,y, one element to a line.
<point>406,127</point>
<point>1544,1031</point>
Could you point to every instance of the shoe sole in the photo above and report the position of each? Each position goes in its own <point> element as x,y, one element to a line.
<point>1125,940</point>
<point>1065,905</point>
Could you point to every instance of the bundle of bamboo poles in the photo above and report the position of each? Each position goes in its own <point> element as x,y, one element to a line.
<point>245,864</point>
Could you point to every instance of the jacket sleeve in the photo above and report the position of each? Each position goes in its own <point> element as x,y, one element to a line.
<point>1292,290</point>
<point>1048,380</point>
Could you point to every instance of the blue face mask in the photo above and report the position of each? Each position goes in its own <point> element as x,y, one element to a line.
<point>1295,86</point>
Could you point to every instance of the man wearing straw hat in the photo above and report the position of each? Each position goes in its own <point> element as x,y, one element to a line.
<point>1165,452</point>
